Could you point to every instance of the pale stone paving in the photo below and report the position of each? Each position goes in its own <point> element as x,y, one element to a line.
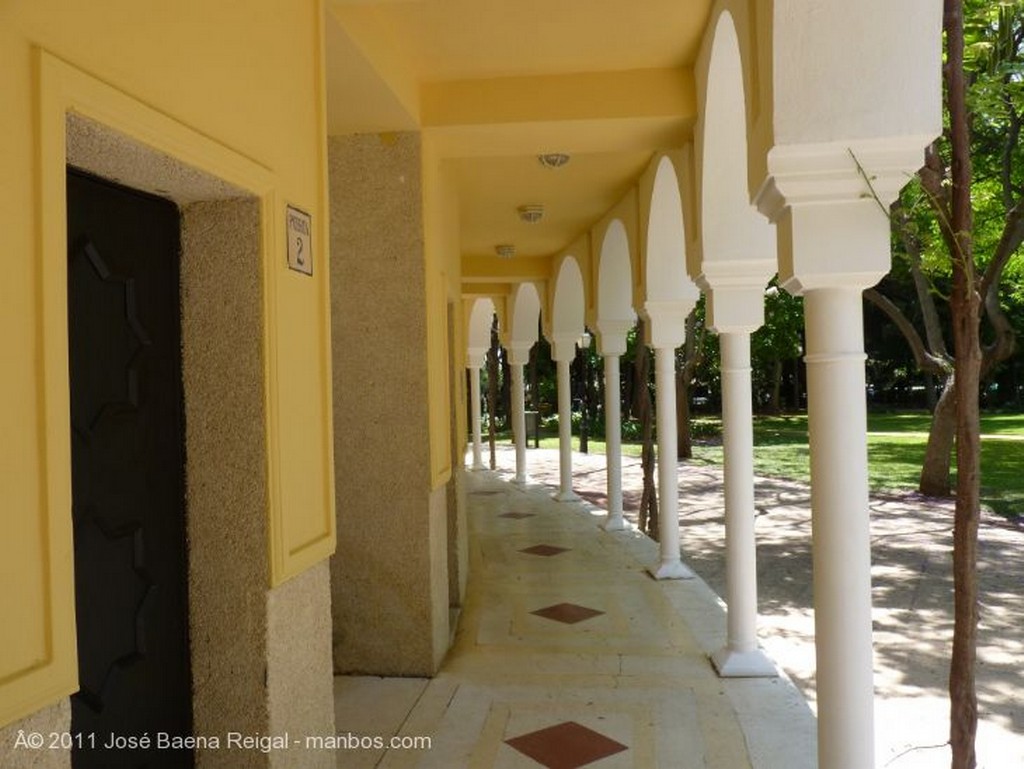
<point>912,589</point>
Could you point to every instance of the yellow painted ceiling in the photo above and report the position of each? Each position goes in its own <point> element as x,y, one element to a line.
<point>493,83</point>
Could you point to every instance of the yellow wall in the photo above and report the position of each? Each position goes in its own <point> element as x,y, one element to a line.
<point>444,282</point>
<point>233,89</point>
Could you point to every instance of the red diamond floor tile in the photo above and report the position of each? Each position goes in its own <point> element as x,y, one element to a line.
<point>516,516</point>
<point>569,613</point>
<point>568,745</point>
<point>545,550</point>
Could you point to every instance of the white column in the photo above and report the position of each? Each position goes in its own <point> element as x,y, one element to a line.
<point>613,438</point>
<point>828,188</point>
<point>565,492</point>
<point>518,419</point>
<point>837,422</point>
<point>474,397</point>
<point>741,656</point>
<point>815,242</point>
<point>671,566</point>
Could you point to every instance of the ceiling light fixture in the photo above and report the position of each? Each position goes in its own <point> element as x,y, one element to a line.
<point>553,159</point>
<point>505,251</point>
<point>531,213</point>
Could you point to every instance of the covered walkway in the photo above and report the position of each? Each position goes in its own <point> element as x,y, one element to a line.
<point>567,651</point>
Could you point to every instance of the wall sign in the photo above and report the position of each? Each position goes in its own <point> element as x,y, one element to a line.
<point>300,240</point>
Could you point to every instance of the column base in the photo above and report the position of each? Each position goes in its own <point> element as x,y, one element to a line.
<point>565,496</point>
<point>480,466</point>
<point>523,481</point>
<point>671,570</point>
<point>752,664</point>
<point>615,522</point>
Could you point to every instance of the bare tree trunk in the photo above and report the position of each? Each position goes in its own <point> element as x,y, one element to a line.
<point>506,392</point>
<point>585,401</point>
<point>797,390</point>
<point>647,515</point>
<point>962,690</point>
<point>966,305</point>
<point>775,405</point>
<point>931,358</point>
<point>692,354</point>
<point>934,481</point>
<point>684,435</point>
<point>930,387</point>
<point>492,391</point>
<point>534,397</point>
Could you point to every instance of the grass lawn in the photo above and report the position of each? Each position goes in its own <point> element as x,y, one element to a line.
<point>894,460</point>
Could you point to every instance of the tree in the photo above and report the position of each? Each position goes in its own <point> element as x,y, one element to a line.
<point>954,206</point>
<point>778,340</point>
<point>966,237</point>
<point>928,247</point>
<point>647,515</point>
<point>688,360</point>
<point>982,74</point>
<point>492,389</point>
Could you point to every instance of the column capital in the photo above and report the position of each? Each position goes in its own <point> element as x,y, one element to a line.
<point>519,353</point>
<point>475,357</point>
<point>830,203</point>
<point>563,346</point>
<point>735,293</point>
<point>667,322</point>
<point>836,172</point>
<point>728,273</point>
<point>611,335</point>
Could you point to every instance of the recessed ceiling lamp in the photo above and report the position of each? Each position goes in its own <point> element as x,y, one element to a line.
<point>505,251</point>
<point>531,213</point>
<point>553,159</point>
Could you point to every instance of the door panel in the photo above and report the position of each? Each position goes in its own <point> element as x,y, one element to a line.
<point>127,455</point>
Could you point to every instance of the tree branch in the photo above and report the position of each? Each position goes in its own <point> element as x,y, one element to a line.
<point>1009,242</point>
<point>1006,156</point>
<point>912,246</point>
<point>935,183</point>
<point>926,361</point>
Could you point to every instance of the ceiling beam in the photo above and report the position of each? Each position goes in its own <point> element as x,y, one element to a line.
<point>644,93</point>
<point>493,269</point>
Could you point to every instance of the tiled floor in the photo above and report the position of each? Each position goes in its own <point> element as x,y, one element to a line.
<point>569,655</point>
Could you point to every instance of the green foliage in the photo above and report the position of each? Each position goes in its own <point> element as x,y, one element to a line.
<point>994,69</point>
<point>896,445</point>
<point>780,336</point>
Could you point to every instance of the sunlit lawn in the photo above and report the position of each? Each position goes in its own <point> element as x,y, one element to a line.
<point>894,461</point>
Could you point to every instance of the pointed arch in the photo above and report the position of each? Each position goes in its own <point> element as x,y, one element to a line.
<point>481,317</point>
<point>731,228</point>
<point>614,277</point>
<point>525,314</point>
<point>568,303</point>
<point>665,275</point>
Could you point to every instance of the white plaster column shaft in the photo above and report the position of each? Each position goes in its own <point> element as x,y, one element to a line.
<point>476,416</point>
<point>517,360</point>
<point>741,656</point>
<point>613,438</point>
<point>611,345</point>
<point>837,423</point>
<point>667,330</point>
<point>565,492</point>
<point>671,566</point>
<point>519,421</point>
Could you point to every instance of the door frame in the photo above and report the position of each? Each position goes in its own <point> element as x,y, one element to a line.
<point>93,126</point>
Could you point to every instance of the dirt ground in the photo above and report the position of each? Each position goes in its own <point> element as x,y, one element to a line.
<point>912,587</point>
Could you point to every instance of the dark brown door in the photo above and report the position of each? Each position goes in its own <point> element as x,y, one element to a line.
<point>127,460</point>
